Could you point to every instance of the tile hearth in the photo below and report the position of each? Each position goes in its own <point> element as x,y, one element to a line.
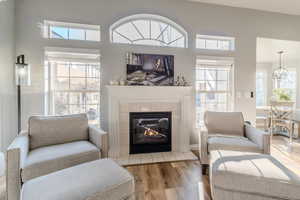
<point>136,159</point>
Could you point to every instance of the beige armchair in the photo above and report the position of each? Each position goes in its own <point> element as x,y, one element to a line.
<point>52,143</point>
<point>228,131</point>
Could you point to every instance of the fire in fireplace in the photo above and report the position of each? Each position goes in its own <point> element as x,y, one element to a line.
<point>150,132</point>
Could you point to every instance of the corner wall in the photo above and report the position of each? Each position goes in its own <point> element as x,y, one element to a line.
<point>8,105</point>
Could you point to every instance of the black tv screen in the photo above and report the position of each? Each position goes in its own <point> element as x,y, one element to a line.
<point>150,70</point>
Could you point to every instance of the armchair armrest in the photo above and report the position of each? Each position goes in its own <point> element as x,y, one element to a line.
<point>204,147</point>
<point>259,137</point>
<point>99,138</point>
<point>16,155</point>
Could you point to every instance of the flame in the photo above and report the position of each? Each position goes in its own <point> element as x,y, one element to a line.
<point>151,132</point>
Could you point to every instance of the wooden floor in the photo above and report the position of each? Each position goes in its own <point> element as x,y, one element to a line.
<point>183,180</point>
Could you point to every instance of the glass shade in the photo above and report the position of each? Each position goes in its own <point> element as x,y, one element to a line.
<point>23,75</point>
<point>280,73</point>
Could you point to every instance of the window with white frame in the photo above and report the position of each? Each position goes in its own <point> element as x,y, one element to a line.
<point>213,87</point>
<point>290,83</point>
<point>73,84</point>
<point>261,87</point>
<point>71,31</point>
<point>215,42</point>
<point>148,30</point>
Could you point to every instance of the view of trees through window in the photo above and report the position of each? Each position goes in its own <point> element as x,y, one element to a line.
<point>290,83</point>
<point>75,88</point>
<point>213,89</point>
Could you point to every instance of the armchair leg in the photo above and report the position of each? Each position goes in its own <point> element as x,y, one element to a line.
<point>204,169</point>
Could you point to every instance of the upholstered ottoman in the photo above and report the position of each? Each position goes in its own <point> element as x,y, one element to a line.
<point>96,180</point>
<point>251,176</point>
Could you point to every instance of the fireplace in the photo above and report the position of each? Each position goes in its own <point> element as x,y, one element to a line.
<point>150,132</point>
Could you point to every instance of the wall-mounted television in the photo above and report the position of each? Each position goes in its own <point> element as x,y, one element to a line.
<point>150,69</point>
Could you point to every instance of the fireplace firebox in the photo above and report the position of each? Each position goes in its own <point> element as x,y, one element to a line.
<point>150,132</point>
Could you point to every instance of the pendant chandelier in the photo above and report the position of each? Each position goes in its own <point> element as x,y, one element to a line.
<point>280,72</point>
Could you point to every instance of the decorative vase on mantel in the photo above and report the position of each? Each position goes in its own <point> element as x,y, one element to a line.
<point>181,81</point>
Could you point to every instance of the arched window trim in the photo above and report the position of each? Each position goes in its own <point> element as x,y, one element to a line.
<point>149,17</point>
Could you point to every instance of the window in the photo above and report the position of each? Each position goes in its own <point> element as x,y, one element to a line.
<point>213,87</point>
<point>148,30</point>
<point>215,43</point>
<point>71,31</point>
<point>261,88</point>
<point>73,84</point>
<point>290,83</point>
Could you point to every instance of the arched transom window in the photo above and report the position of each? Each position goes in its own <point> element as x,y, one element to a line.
<point>148,30</point>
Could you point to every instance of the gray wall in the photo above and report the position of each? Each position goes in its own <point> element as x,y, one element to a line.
<point>8,116</point>
<point>245,25</point>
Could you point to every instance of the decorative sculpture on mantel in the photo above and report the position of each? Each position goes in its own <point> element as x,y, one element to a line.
<point>181,81</point>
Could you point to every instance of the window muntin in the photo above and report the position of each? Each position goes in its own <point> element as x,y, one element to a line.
<point>261,88</point>
<point>213,89</point>
<point>71,31</point>
<point>148,30</point>
<point>73,87</point>
<point>215,43</point>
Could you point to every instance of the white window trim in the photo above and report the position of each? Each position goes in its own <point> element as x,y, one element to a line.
<point>215,60</point>
<point>74,54</point>
<point>150,17</point>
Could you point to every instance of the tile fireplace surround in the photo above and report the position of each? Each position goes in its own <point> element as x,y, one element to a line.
<point>126,99</point>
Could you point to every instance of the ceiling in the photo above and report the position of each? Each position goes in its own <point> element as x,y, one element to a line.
<point>267,50</point>
<point>291,7</point>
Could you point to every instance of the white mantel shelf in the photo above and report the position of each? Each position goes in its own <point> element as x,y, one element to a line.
<point>141,86</point>
<point>125,99</point>
<point>146,88</point>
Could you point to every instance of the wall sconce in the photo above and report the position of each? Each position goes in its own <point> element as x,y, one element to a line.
<point>22,76</point>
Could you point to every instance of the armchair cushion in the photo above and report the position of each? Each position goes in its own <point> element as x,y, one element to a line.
<point>44,160</point>
<point>226,123</point>
<point>52,130</point>
<point>233,143</point>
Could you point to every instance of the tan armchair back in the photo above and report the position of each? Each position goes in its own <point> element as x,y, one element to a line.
<point>52,130</point>
<point>226,123</point>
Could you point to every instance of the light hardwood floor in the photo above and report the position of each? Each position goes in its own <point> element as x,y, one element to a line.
<point>183,180</point>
